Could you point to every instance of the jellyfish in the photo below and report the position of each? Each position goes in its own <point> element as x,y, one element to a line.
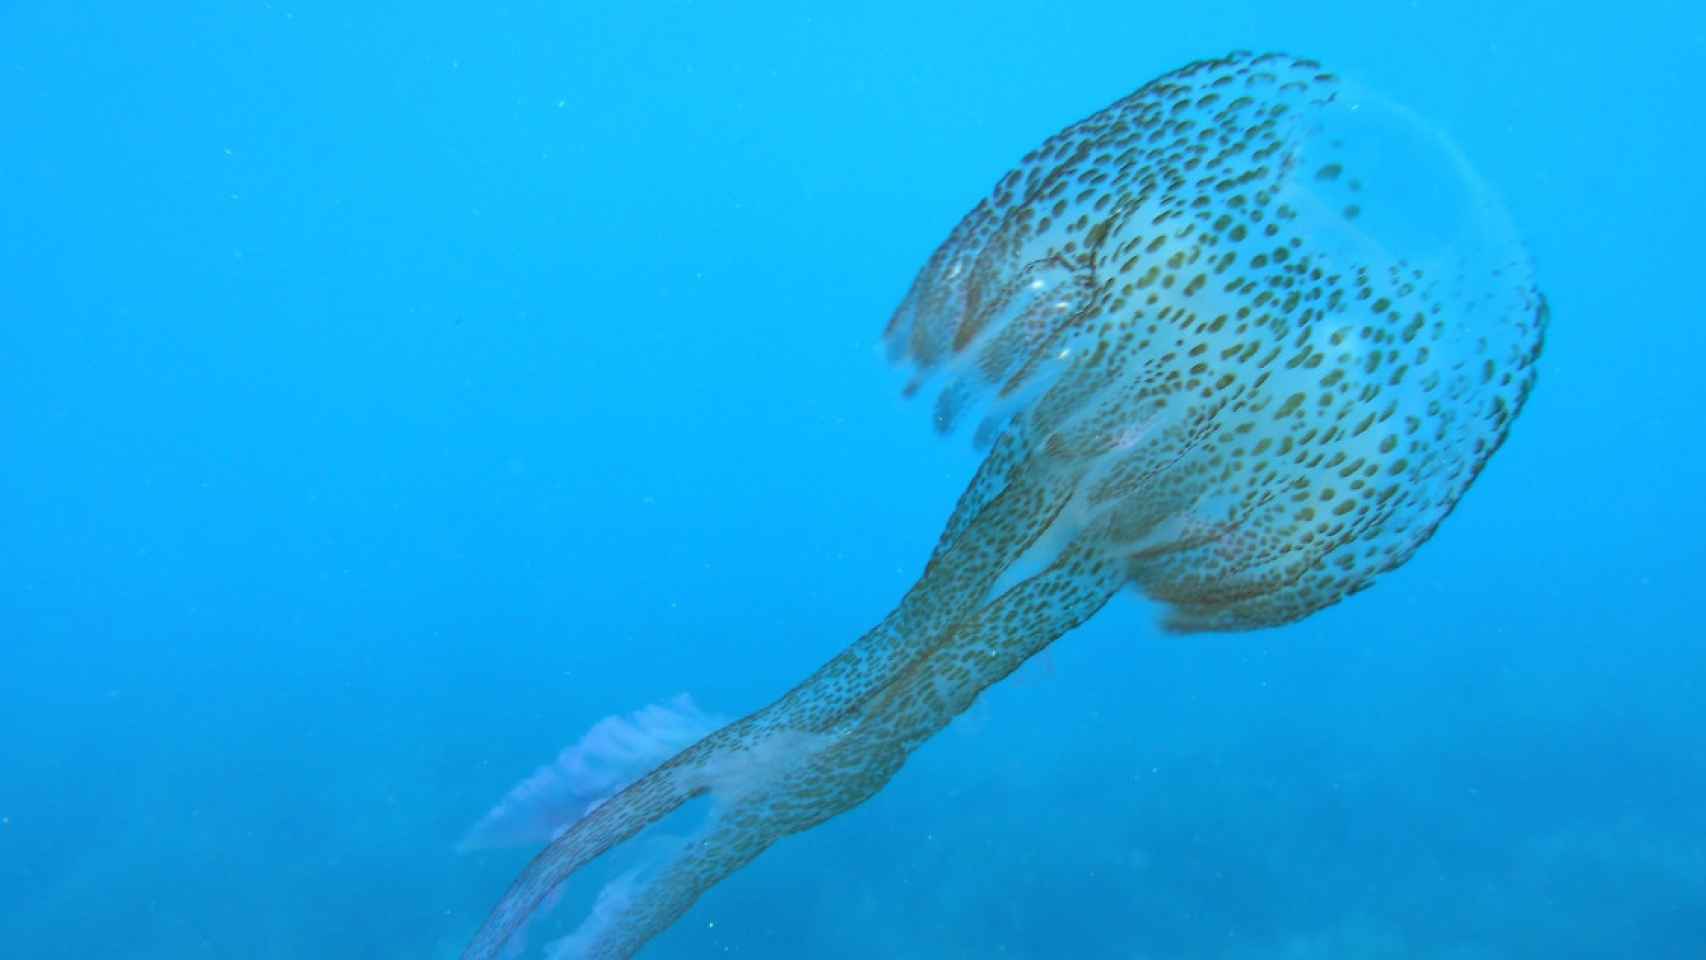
<point>1239,341</point>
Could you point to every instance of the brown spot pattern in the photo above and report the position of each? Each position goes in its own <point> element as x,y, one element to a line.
<point>1182,302</point>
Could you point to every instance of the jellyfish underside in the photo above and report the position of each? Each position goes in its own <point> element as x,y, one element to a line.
<point>1241,340</point>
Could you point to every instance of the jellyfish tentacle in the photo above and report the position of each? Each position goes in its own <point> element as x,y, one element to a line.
<point>841,749</point>
<point>953,584</point>
<point>1011,450</point>
<point>991,644</point>
<point>824,775</point>
<point>769,786</point>
<point>649,799</point>
<point>641,913</point>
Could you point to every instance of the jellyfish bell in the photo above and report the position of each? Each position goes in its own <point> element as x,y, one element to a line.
<point>1241,340</point>
<point>1295,324</point>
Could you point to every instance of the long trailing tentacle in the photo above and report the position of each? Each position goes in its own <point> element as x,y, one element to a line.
<point>768,782</point>
<point>648,800</point>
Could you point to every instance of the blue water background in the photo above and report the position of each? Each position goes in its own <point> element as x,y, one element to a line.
<point>389,391</point>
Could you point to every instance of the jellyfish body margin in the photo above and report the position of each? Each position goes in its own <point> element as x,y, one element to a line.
<point>1240,340</point>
